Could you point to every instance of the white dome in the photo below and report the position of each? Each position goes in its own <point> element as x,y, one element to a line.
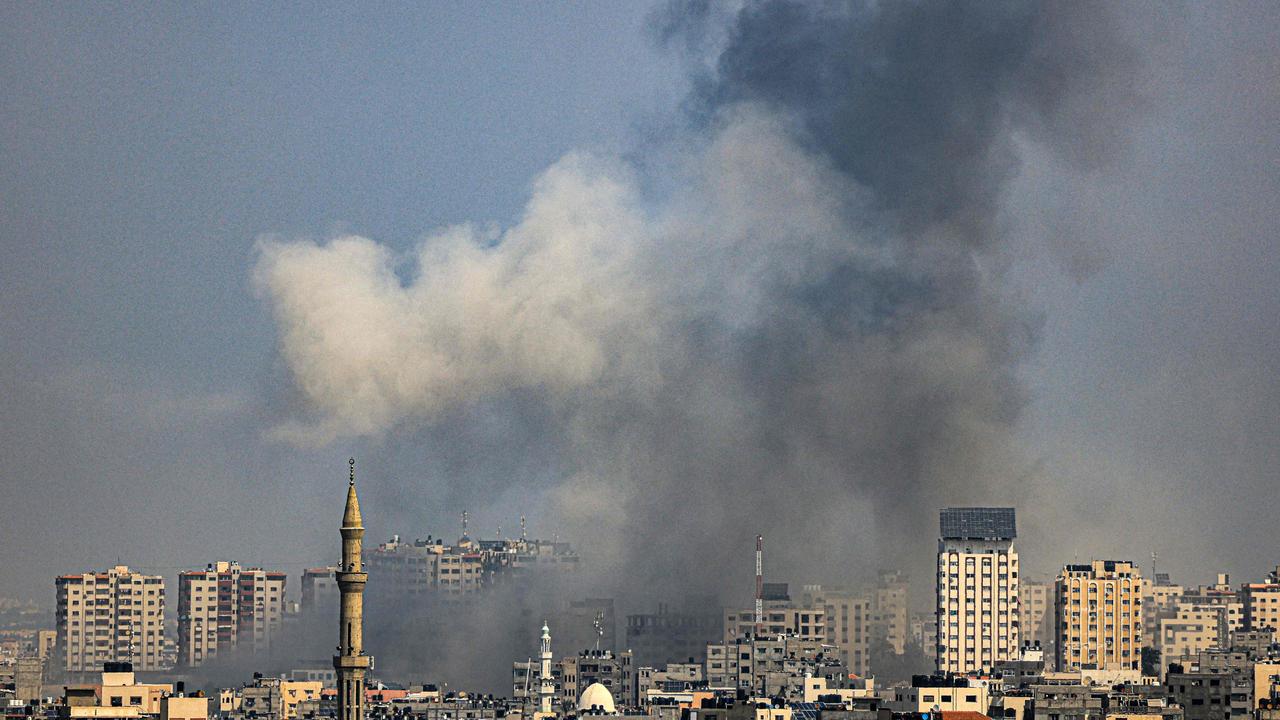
<point>598,697</point>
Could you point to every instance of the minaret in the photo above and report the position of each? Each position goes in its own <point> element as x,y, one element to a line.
<point>351,663</point>
<point>546,685</point>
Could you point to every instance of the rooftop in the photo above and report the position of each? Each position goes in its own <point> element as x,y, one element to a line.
<point>977,523</point>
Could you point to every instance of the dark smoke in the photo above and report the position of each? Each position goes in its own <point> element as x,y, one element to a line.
<point>810,337</point>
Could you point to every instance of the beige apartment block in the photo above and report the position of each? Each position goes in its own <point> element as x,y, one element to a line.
<point>1219,594</point>
<point>225,607</point>
<point>177,707</point>
<point>1261,603</point>
<point>977,590</point>
<point>889,611</point>
<point>807,622</point>
<point>112,616</point>
<point>1159,603</point>
<point>849,623</point>
<point>1036,603</point>
<point>942,695</point>
<point>1194,628</point>
<point>1099,618</point>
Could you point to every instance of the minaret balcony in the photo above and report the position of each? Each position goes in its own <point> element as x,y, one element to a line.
<point>352,662</point>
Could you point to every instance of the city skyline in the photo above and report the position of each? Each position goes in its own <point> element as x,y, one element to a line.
<point>649,286</point>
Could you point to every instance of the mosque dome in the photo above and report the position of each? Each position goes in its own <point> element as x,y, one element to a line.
<point>597,697</point>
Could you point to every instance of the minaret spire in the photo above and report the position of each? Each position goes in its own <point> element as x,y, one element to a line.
<point>351,663</point>
<point>546,684</point>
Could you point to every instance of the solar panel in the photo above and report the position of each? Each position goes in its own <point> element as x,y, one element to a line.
<point>977,523</point>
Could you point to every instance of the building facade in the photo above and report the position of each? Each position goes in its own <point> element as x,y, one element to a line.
<point>1099,618</point>
<point>1261,603</point>
<point>319,592</point>
<point>459,571</point>
<point>773,666</point>
<point>890,611</point>
<point>111,616</point>
<point>668,635</point>
<point>850,625</point>
<point>224,607</point>
<point>1036,605</point>
<point>977,589</point>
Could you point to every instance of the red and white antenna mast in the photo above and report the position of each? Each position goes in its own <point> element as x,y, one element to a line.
<point>759,585</point>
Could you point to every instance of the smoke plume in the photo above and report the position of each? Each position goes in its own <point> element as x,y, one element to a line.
<point>789,319</point>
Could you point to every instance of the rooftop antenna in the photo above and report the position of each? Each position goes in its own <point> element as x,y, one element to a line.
<point>464,523</point>
<point>1154,556</point>
<point>522,528</point>
<point>599,626</point>
<point>759,615</point>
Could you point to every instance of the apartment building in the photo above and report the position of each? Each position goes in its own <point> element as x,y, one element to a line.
<point>924,633</point>
<point>399,569</point>
<point>1099,619</point>
<point>1260,603</point>
<point>773,666</point>
<point>1221,593</point>
<point>1036,605</point>
<point>1194,628</point>
<point>225,607</point>
<point>805,620</point>
<point>850,622</point>
<point>944,694</point>
<point>112,616</point>
<point>319,592</point>
<point>615,671</point>
<point>1159,603</point>
<point>889,611</point>
<point>670,635</point>
<point>977,589</point>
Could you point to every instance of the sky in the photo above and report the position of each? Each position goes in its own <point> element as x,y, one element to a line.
<point>657,276</point>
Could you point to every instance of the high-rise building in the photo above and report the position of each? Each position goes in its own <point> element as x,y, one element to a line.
<point>224,607</point>
<point>977,601</point>
<point>111,616</point>
<point>1099,619</point>
<point>351,662</point>
<point>849,625</point>
<point>889,611</point>
<point>1035,604</point>
<point>319,592</point>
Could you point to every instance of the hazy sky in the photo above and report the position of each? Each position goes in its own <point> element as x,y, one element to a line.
<point>169,390</point>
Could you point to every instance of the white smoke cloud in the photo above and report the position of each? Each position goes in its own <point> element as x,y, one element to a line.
<point>586,293</point>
